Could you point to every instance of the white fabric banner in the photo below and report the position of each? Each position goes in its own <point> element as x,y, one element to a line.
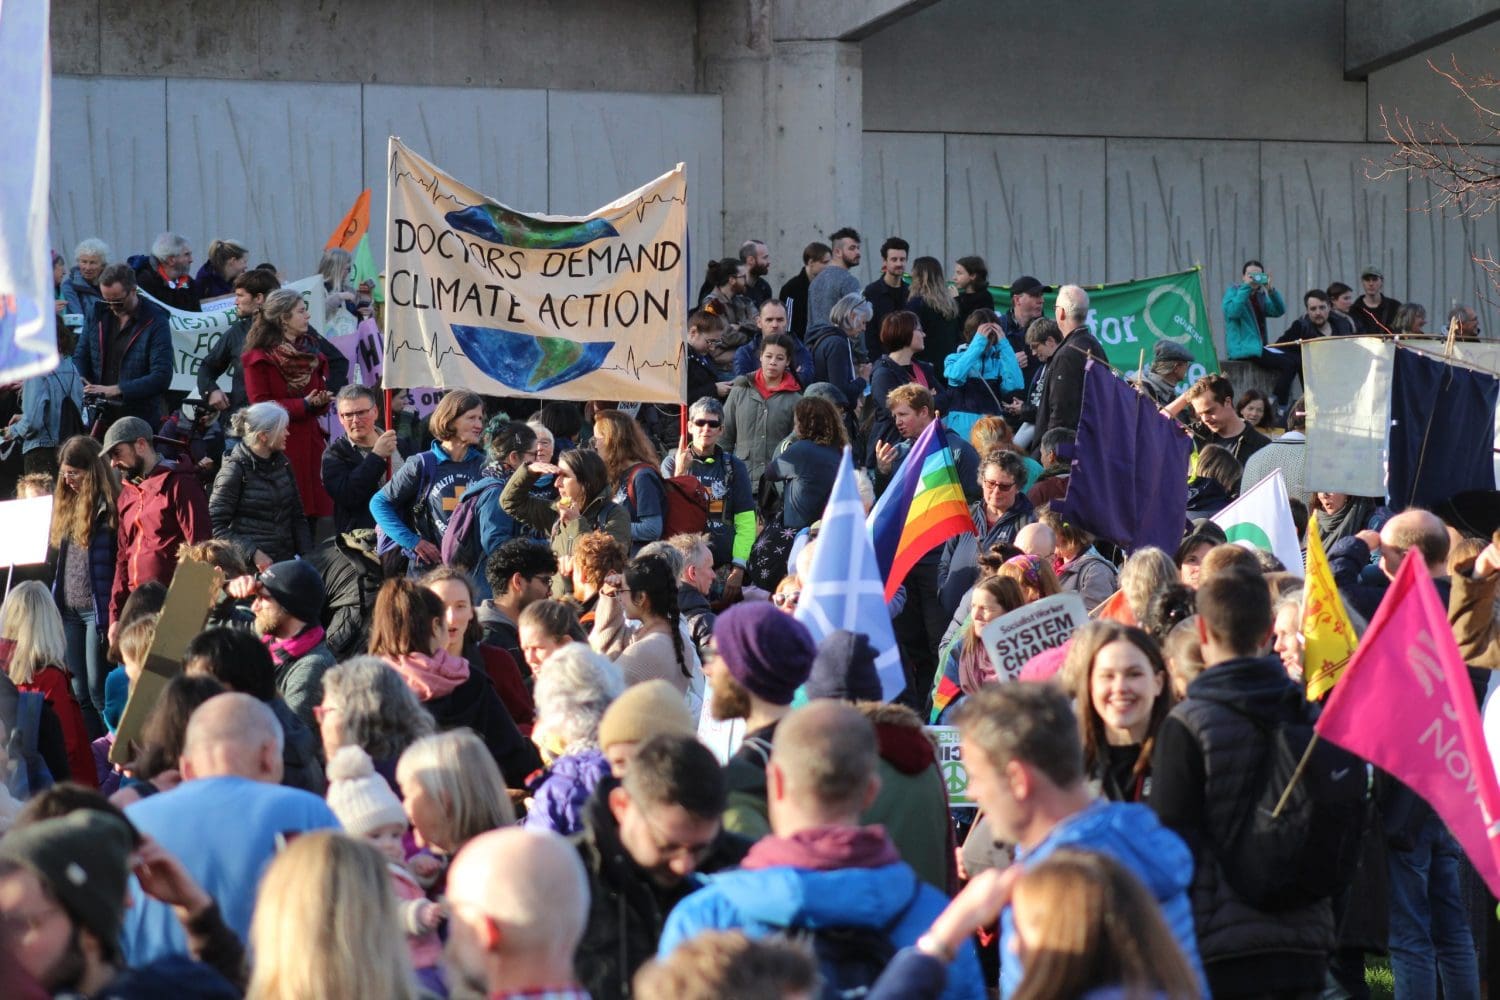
<point>1348,413</point>
<point>506,303</point>
<point>195,333</point>
<point>28,330</point>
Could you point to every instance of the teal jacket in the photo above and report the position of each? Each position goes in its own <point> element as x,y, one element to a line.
<point>1241,332</point>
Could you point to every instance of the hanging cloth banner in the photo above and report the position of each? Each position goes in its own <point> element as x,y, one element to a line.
<point>505,303</point>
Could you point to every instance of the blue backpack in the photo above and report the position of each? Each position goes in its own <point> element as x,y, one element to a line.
<point>461,548</point>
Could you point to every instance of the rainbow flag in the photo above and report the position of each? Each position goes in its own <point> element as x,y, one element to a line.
<point>921,509</point>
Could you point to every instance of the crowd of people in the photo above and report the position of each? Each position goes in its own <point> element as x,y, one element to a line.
<point>514,702</point>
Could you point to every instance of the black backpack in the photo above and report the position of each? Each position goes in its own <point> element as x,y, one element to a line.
<point>1311,849</point>
<point>850,959</point>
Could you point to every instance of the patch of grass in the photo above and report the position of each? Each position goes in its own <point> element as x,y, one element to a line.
<point>1379,979</point>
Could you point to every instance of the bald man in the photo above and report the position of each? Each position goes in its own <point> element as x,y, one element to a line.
<point>518,900</point>
<point>224,822</point>
<point>1364,583</point>
<point>819,868</point>
<point>1037,539</point>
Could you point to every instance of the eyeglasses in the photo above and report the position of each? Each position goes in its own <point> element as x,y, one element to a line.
<point>997,486</point>
<point>116,304</point>
<point>786,599</point>
<point>664,845</point>
<point>708,423</point>
<point>357,414</point>
<point>545,578</point>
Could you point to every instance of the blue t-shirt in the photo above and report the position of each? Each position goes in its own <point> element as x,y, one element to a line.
<point>224,831</point>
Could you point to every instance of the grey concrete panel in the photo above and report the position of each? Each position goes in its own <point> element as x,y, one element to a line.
<point>1414,89</point>
<point>109,163</point>
<point>903,181</point>
<point>274,165</point>
<point>495,141</point>
<point>1382,32</point>
<point>180,38</point>
<point>1171,69</point>
<point>1027,205</point>
<point>1176,204</point>
<point>1322,219</point>
<point>599,146</point>
<point>75,36</point>
<point>850,20</point>
<point>1442,269</point>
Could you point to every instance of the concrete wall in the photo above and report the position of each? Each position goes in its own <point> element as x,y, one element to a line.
<point>276,165</point>
<point>1108,164</point>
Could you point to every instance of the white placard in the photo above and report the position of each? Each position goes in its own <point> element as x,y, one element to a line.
<point>1013,639</point>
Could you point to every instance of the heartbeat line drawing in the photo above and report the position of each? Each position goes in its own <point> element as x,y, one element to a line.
<point>394,347</point>
<point>655,199</point>
<point>428,185</point>
<point>634,367</point>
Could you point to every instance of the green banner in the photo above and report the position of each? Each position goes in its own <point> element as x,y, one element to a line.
<point>1129,317</point>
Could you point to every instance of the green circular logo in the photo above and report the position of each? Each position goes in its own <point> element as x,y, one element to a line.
<point>1252,533</point>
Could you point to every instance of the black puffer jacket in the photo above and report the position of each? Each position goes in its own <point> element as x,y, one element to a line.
<point>255,504</point>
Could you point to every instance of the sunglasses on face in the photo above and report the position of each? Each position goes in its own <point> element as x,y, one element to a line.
<point>707,423</point>
<point>786,599</point>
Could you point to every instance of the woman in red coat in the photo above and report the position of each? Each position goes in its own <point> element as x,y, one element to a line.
<point>34,653</point>
<point>282,364</point>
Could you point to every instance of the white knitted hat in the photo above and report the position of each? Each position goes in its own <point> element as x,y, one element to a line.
<point>358,796</point>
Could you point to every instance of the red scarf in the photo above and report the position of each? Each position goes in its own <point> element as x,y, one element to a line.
<point>788,383</point>
<point>296,362</point>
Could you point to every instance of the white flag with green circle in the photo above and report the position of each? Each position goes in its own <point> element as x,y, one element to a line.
<point>1262,518</point>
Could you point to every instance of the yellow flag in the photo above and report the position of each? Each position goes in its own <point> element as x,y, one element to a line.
<point>1328,638</point>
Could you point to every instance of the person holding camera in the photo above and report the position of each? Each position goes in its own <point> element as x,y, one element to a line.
<point>1247,306</point>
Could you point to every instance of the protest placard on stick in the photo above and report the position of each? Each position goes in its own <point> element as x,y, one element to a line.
<point>1013,639</point>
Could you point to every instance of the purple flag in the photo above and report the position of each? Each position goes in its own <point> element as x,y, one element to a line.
<point>1129,466</point>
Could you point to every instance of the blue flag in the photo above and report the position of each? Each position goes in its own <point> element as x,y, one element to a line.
<point>1129,466</point>
<point>28,332</point>
<point>1442,436</point>
<point>844,589</point>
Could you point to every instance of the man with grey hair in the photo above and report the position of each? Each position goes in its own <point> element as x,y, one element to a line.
<point>695,581</point>
<point>225,821</point>
<point>1463,321</point>
<point>1062,394</point>
<point>167,274</point>
<point>731,496</point>
<point>518,903</point>
<point>356,465</point>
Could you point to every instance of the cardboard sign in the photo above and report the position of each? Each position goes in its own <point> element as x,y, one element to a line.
<point>1013,639</point>
<point>951,763</point>
<point>27,526</point>
<point>189,599</point>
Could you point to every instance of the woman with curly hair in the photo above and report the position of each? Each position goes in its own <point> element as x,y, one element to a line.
<point>633,466</point>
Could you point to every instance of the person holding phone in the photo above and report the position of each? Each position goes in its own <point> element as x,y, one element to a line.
<point>1247,306</point>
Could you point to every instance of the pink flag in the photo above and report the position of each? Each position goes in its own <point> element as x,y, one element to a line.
<point>1405,705</point>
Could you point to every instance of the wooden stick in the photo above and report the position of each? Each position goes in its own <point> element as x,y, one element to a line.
<point>1296,776</point>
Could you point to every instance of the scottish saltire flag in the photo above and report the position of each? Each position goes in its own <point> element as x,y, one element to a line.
<point>1262,518</point>
<point>28,332</point>
<point>843,589</point>
<point>921,509</point>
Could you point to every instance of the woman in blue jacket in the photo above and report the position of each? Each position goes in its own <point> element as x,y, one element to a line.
<point>39,428</point>
<point>412,510</point>
<point>982,373</point>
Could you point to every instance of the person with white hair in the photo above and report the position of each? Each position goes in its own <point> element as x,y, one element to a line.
<point>225,821</point>
<point>832,343</point>
<point>519,900</point>
<point>80,289</point>
<point>1062,395</point>
<point>255,502</point>
<point>167,274</point>
<point>573,688</point>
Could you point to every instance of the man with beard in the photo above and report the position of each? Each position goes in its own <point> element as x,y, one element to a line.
<point>161,507</point>
<point>836,280</point>
<point>288,609</point>
<point>62,898</point>
<point>760,658</point>
<point>644,839</point>
<point>757,261</point>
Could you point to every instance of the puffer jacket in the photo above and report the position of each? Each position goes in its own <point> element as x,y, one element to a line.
<point>1232,748</point>
<point>352,577</point>
<point>80,295</point>
<point>560,791</point>
<point>255,504</point>
<point>1090,576</point>
<point>755,425</point>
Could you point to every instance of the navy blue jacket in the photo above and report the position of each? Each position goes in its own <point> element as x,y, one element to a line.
<point>146,367</point>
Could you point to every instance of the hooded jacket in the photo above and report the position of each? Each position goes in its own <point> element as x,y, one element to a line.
<point>80,294</point>
<point>1090,576</point>
<point>1131,835</point>
<point>166,508</point>
<point>959,569</point>
<point>1204,769</point>
<point>626,907</point>
<point>763,900</point>
<point>833,360</point>
<point>913,801</point>
<point>754,425</point>
<point>560,791</point>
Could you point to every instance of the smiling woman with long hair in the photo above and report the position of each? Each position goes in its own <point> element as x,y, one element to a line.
<point>85,527</point>
<point>1119,682</point>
